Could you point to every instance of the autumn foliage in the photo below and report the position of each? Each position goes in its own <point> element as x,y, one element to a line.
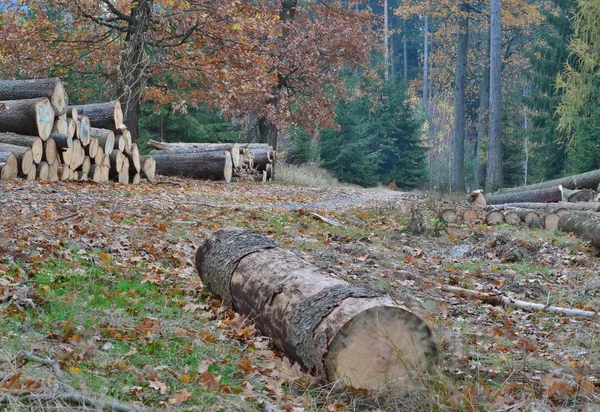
<point>234,55</point>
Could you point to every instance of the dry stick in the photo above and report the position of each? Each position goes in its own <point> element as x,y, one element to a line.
<point>73,398</point>
<point>499,300</point>
<point>29,356</point>
<point>58,219</point>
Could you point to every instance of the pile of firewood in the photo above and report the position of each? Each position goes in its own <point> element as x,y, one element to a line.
<point>43,138</point>
<point>215,161</point>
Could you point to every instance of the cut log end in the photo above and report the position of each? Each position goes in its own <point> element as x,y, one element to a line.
<point>449,215</point>
<point>380,347</point>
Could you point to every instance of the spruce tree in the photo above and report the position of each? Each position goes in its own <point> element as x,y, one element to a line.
<point>547,61</point>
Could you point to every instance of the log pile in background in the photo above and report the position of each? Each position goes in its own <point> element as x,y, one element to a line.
<point>50,140</point>
<point>215,161</point>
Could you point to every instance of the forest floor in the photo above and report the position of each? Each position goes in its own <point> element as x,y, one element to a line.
<point>99,297</point>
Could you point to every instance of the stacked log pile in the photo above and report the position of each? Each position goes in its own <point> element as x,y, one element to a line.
<point>215,161</point>
<point>569,204</point>
<point>43,138</point>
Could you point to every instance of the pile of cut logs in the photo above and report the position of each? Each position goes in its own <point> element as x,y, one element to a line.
<point>215,161</point>
<point>43,138</point>
<point>570,204</point>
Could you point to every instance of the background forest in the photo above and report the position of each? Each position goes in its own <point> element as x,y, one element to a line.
<point>451,95</point>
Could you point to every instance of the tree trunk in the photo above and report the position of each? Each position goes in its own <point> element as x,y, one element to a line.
<point>583,226</point>
<point>386,34</point>
<point>494,165</point>
<point>100,115</point>
<point>425,59</point>
<point>404,52</point>
<point>53,89</point>
<point>482,122</point>
<point>83,130</point>
<point>33,117</point>
<point>10,166</point>
<point>133,156</point>
<point>550,195</point>
<point>332,328</point>
<point>550,207</point>
<point>196,165</point>
<point>587,180</point>
<point>460,79</point>
<point>494,218</point>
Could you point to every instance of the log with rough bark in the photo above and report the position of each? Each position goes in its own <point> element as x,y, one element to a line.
<point>512,218</point>
<point>33,117</point>
<point>546,195</point>
<point>587,180</point>
<point>232,148</point>
<point>470,216</point>
<point>197,165</point>
<point>449,215</point>
<point>53,89</point>
<point>35,143</point>
<point>584,226</point>
<point>576,196</point>
<point>9,165</point>
<point>102,115</point>
<point>24,156</point>
<point>549,207</point>
<point>337,330</point>
<point>117,160</point>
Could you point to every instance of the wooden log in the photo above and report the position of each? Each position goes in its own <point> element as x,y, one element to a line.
<point>83,130</point>
<point>125,136</point>
<point>106,139</point>
<point>336,330</point>
<point>583,195</point>
<point>587,180</point>
<point>96,173</point>
<point>86,165</point>
<point>10,166</point>
<point>62,141</point>
<point>548,207</point>
<point>61,126</point>
<point>32,173</point>
<point>78,154</point>
<point>103,115</point>
<point>35,143</point>
<point>228,168</point>
<point>197,165</point>
<point>53,174</point>
<point>71,127</point>
<point>53,89</point>
<point>551,221</point>
<point>536,223</point>
<point>135,179</point>
<point>583,226</point>
<point>123,176</point>
<point>233,148</point>
<point>449,215</point>
<point>470,216</point>
<point>494,217</point>
<point>33,117</point>
<point>546,195</point>
<point>512,218</point>
<point>64,172</point>
<point>148,167</point>
<point>134,158</point>
<point>526,216</point>
<point>50,151</point>
<point>117,160</point>
<point>23,154</point>
<point>99,158</point>
<point>93,148</point>
<point>42,171</point>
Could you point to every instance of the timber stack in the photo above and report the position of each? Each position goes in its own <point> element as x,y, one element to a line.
<point>215,161</point>
<point>43,138</point>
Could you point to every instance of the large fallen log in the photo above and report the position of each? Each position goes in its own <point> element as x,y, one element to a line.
<point>548,207</point>
<point>337,330</point>
<point>587,180</point>
<point>33,117</point>
<point>232,148</point>
<point>53,89</point>
<point>35,143</point>
<point>211,165</point>
<point>581,225</point>
<point>545,195</point>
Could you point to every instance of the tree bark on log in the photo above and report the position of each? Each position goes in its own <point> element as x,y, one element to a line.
<point>512,218</point>
<point>53,89</point>
<point>232,148</point>
<point>588,180</point>
<point>196,165</point>
<point>449,215</point>
<point>583,226</point>
<point>24,156</point>
<point>576,196</point>
<point>546,195</point>
<point>332,328</point>
<point>494,218</point>
<point>548,207</point>
<point>35,143</point>
<point>106,139</point>
<point>33,117</point>
<point>102,115</point>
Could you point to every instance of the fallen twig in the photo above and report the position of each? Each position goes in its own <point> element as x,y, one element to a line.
<point>327,220</point>
<point>29,356</point>
<point>498,300</point>
<point>72,398</point>
<point>58,219</point>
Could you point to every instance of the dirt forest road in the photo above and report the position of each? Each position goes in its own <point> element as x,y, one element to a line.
<point>503,356</point>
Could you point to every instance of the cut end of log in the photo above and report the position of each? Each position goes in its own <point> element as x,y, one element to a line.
<point>59,99</point>
<point>477,197</point>
<point>381,347</point>
<point>44,118</point>
<point>228,169</point>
